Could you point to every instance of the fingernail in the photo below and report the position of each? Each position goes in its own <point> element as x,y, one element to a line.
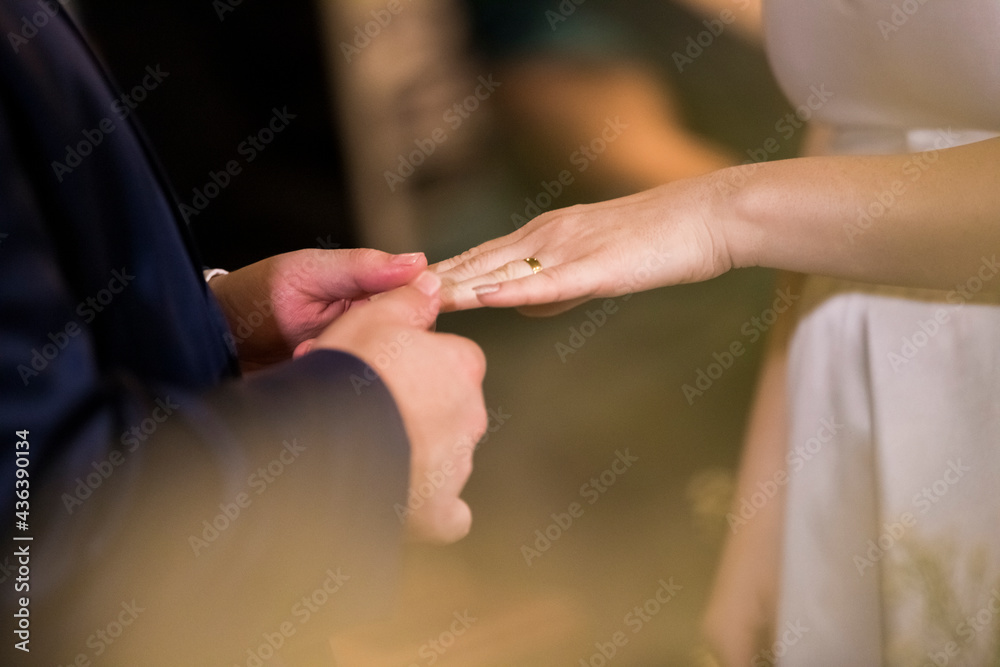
<point>486,289</point>
<point>303,349</point>
<point>409,259</point>
<point>428,283</point>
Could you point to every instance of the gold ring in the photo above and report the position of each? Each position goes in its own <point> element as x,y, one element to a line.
<point>535,265</point>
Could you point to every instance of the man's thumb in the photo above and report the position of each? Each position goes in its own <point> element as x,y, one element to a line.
<point>418,301</point>
<point>428,283</point>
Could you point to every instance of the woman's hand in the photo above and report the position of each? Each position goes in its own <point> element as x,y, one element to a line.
<point>276,304</point>
<point>807,215</point>
<point>665,236</point>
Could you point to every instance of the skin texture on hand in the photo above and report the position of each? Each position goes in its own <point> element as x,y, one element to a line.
<point>436,380</point>
<point>276,304</point>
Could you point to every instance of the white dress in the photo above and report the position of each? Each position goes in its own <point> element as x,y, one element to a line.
<point>892,539</point>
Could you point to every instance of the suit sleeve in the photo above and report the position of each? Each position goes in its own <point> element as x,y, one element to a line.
<point>176,522</point>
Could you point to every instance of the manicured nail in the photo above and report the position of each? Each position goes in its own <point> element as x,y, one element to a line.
<point>486,289</point>
<point>428,283</point>
<point>409,259</point>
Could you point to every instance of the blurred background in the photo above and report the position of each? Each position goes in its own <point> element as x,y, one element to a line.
<point>434,125</point>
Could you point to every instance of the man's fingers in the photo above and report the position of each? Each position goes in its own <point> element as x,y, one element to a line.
<point>444,525</point>
<point>303,348</point>
<point>348,274</point>
<point>416,304</point>
<point>379,272</point>
<point>467,354</point>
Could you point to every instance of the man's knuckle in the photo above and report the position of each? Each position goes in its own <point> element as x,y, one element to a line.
<point>481,423</point>
<point>472,357</point>
<point>354,254</point>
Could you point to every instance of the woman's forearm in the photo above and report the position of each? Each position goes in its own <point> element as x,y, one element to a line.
<point>920,220</point>
<point>923,220</point>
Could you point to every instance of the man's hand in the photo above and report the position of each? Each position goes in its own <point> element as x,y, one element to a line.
<point>274,305</point>
<point>436,380</point>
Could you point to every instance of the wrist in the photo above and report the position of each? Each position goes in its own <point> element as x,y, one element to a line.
<point>227,296</point>
<point>217,285</point>
<point>738,210</point>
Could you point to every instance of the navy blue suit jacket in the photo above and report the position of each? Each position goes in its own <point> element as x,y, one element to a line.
<point>177,513</point>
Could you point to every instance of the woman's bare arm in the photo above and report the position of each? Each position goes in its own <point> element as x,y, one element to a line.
<point>923,220</point>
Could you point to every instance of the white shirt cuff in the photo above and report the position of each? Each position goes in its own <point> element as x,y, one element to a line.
<point>211,273</point>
